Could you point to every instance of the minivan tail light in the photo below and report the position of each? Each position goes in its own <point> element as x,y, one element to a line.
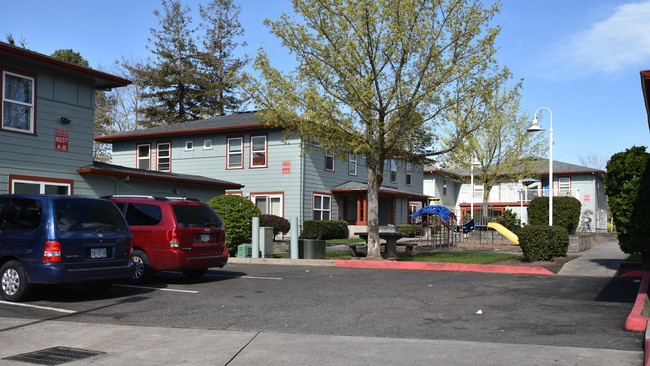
<point>173,238</point>
<point>52,252</point>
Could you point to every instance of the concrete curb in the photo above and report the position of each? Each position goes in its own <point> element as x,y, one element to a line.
<point>283,261</point>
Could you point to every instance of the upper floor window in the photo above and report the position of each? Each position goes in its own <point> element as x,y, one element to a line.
<point>258,147</point>
<point>18,102</point>
<point>144,156</point>
<point>235,155</point>
<point>444,186</point>
<point>207,144</point>
<point>189,145</point>
<point>409,175</point>
<point>352,164</point>
<point>329,161</point>
<point>393,171</point>
<point>322,207</point>
<point>164,157</point>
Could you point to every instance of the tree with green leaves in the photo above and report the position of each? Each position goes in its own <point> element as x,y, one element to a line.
<point>376,77</point>
<point>218,65</point>
<point>69,55</point>
<point>626,185</point>
<point>501,145</point>
<point>169,78</point>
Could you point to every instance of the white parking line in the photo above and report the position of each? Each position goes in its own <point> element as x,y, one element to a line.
<point>39,307</point>
<point>250,277</point>
<point>159,289</point>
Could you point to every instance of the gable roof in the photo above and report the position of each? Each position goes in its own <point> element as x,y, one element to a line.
<point>351,186</point>
<point>101,79</point>
<point>559,167</point>
<point>237,121</point>
<point>104,169</point>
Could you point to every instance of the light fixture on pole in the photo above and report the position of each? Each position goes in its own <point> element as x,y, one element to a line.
<point>474,163</point>
<point>534,128</point>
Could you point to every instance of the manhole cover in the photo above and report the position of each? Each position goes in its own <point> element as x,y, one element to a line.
<point>55,355</point>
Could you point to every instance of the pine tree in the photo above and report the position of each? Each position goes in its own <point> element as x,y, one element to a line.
<point>218,65</point>
<point>169,79</point>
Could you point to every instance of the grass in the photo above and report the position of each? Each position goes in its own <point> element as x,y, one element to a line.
<point>345,241</point>
<point>446,257</point>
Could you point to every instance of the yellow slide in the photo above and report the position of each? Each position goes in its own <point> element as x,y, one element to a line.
<point>505,232</point>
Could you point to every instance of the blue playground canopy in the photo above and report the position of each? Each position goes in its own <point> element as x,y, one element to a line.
<point>444,213</point>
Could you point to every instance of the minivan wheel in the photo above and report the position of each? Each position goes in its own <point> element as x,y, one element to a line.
<point>14,282</point>
<point>195,274</point>
<point>143,271</point>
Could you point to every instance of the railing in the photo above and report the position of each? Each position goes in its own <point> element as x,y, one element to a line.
<point>516,195</point>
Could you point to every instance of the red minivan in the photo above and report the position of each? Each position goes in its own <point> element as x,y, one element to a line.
<point>173,234</point>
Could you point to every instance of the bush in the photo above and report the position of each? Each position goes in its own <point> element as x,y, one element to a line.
<point>543,242</point>
<point>566,212</point>
<point>237,214</point>
<point>408,230</point>
<point>510,220</point>
<point>324,229</point>
<point>279,224</point>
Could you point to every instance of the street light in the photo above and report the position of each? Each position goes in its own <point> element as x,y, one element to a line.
<point>534,128</point>
<point>475,162</point>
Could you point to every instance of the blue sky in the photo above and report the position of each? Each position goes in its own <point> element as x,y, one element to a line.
<point>580,58</point>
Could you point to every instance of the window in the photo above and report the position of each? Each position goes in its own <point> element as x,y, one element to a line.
<point>144,156</point>
<point>564,185</point>
<point>189,145</point>
<point>18,102</point>
<point>352,164</point>
<point>393,171</point>
<point>39,185</point>
<point>409,176</point>
<point>207,144</point>
<point>444,186</point>
<point>235,153</point>
<point>138,214</point>
<point>269,204</point>
<point>258,148</point>
<point>329,161</point>
<point>22,214</point>
<point>322,207</point>
<point>164,157</point>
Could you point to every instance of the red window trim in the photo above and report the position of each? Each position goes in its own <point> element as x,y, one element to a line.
<point>279,193</point>
<point>137,151</point>
<point>2,91</point>
<point>266,151</point>
<point>158,143</point>
<point>228,138</point>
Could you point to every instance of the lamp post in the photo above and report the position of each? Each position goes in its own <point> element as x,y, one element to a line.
<point>474,163</point>
<point>534,128</point>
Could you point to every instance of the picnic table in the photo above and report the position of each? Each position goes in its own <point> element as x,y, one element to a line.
<point>390,245</point>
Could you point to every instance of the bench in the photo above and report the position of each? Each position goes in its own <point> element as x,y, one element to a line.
<point>355,248</point>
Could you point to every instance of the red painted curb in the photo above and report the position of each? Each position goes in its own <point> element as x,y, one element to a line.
<point>635,321</point>
<point>633,274</point>
<point>432,266</point>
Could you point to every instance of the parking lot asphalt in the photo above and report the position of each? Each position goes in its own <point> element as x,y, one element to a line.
<point>164,345</point>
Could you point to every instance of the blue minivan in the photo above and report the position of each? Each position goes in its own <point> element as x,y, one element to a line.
<point>49,239</point>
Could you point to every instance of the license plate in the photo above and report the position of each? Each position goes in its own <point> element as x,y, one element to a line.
<point>205,238</point>
<point>97,252</point>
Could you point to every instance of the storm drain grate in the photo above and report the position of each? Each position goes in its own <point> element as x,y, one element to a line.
<point>55,356</point>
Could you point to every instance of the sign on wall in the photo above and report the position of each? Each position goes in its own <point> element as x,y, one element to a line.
<point>286,167</point>
<point>61,140</point>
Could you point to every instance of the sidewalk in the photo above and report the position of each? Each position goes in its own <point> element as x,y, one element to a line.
<point>127,345</point>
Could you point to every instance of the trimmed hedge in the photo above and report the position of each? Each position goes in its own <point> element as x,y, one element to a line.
<point>566,212</point>
<point>279,224</point>
<point>543,242</point>
<point>237,214</point>
<point>407,230</point>
<point>324,229</point>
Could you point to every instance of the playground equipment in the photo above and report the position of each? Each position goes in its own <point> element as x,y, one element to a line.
<point>439,225</point>
<point>504,231</point>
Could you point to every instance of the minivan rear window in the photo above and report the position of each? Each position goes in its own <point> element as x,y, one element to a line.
<point>188,215</point>
<point>143,214</point>
<point>88,215</point>
<point>21,214</point>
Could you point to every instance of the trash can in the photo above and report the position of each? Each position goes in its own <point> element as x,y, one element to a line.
<point>311,249</point>
<point>245,250</point>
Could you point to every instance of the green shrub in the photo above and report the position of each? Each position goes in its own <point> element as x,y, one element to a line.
<point>407,230</point>
<point>510,220</point>
<point>237,214</point>
<point>279,224</point>
<point>324,229</point>
<point>566,212</point>
<point>543,242</point>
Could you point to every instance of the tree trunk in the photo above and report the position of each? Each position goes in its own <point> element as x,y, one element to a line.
<point>486,201</point>
<point>374,247</point>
